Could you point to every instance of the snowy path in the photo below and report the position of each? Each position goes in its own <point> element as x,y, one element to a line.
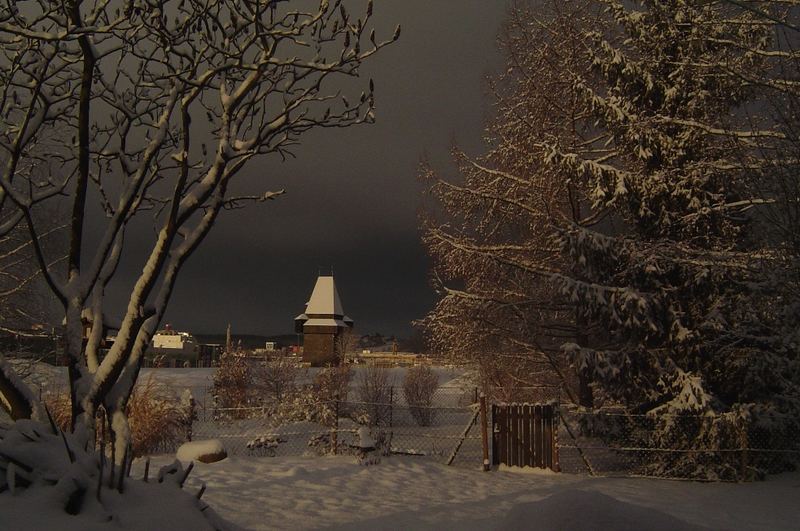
<point>404,493</point>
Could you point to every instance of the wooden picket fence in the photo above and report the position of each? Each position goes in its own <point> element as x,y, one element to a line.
<point>525,435</point>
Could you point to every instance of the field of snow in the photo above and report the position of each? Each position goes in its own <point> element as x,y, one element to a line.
<point>43,377</point>
<point>409,493</point>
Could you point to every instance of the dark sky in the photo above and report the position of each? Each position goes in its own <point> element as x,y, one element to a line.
<point>352,196</point>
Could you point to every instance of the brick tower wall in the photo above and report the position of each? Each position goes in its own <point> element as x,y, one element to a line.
<point>318,347</point>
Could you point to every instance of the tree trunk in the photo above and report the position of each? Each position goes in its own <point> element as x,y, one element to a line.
<point>585,393</point>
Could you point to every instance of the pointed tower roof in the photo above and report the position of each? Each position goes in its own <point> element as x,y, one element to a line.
<point>324,308</point>
<point>325,299</point>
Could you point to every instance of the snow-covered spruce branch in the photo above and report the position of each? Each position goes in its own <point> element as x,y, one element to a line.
<point>747,136</point>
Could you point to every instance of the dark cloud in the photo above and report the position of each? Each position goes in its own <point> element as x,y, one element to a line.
<point>352,196</point>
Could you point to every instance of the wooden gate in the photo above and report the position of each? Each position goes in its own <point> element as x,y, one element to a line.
<point>525,435</point>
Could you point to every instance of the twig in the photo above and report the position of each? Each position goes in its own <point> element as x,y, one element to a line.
<point>186,474</point>
<point>100,475</point>
<point>69,450</point>
<point>52,422</point>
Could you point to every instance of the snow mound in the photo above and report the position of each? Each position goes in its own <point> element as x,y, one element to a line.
<point>529,470</point>
<point>204,451</point>
<point>365,440</point>
<point>584,510</point>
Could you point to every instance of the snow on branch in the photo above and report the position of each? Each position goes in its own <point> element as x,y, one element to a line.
<point>16,397</point>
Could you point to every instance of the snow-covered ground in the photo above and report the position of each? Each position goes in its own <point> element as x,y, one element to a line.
<point>409,493</point>
<point>292,492</point>
<point>43,377</point>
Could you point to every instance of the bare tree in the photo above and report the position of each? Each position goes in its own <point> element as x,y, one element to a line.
<point>344,343</point>
<point>24,300</point>
<point>493,233</point>
<point>419,387</point>
<point>154,107</point>
<point>375,393</point>
<point>276,378</point>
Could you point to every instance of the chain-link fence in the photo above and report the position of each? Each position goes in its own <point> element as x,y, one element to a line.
<point>445,429</point>
<point>598,442</point>
<point>703,447</point>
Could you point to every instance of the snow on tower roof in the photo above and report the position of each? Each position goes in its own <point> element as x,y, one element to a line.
<point>325,299</point>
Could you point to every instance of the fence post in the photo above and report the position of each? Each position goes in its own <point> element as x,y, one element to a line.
<point>744,443</point>
<point>335,433</point>
<point>556,413</point>
<point>191,414</point>
<point>484,434</point>
<point>391,405</point>
<point>577,445</point>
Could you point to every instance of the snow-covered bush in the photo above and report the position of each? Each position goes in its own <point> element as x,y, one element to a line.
<point>264,445</point>
<point>321,443</point>
<point>318,402</point>
<point>233,386</point>
<point>49,478</point>
<point>419,387</point>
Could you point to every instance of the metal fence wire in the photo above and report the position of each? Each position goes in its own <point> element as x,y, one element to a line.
<point>607,442</point>
<point>697,447</point>
<point>447,429</point>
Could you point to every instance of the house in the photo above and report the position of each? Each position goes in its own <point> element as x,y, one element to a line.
<point>322,324</point>
<point>173,348</point>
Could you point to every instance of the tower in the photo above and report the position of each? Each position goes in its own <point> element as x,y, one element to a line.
<point>322,323</point>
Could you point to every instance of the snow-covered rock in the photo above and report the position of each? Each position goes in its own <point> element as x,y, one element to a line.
<point>209,451</point>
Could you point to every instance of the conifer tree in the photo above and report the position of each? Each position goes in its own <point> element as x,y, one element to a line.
<point>632,212</point>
